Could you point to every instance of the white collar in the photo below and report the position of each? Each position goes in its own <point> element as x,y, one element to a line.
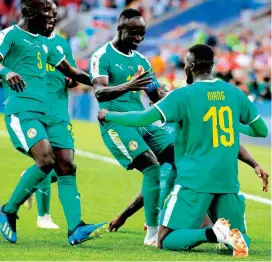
<point>35,35</point>
<point>121,52</point>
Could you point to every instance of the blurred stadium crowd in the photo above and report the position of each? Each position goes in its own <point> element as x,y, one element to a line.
<point>242,58</point>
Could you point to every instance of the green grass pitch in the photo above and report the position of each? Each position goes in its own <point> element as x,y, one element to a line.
<point>105,190</point>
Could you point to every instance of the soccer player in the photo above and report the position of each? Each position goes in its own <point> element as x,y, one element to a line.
<point>118,72</point>
<point>208,113</point>
<point>57,90</point>
<point>138,203</point>
<point>33,130</point>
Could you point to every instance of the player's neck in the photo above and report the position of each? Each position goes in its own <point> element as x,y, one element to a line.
<point>120,46</point>
<point>26,25</point>
<point>202,76</point>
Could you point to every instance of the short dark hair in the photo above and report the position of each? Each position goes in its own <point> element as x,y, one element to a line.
<point>203,57</point>
<point>130,13</point>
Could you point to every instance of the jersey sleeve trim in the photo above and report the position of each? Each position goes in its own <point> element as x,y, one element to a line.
<point>98,77</point>
<point>60,61</point>
<point>161,112</point>
<point>256,118</point>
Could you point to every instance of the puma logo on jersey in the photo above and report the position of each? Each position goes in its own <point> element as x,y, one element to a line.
<point>32,44</point>
<point>120,66</point>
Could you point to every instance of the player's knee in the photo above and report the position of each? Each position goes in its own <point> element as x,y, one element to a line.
<point>66,167</point>
<point>167,155</point>
<point>46,162</point>
<point>145,160</point>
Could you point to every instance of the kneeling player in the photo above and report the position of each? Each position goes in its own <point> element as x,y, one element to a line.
<point>207,165</point>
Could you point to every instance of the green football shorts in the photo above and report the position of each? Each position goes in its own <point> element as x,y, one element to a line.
<point>185,209</point>
<point>126,143</point>
<point>27,128</point>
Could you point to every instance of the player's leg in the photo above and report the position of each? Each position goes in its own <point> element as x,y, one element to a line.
<point>181,217</point>
<point>160,140</point>
<point>60,136</point>
<point>167,156</point>
<point>231,207</point>
<point>28,136</point>
<point>131,151</point>
<point>147,164</point>
<point>43,199</point>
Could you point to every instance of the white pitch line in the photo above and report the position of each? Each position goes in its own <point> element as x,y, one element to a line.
<point>114,162</point>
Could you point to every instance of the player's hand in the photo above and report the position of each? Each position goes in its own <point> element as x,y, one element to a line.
<point>70,83</point>
<point>15,82</point>
<point>102,115</point>
<point>139,81</point>
<point>116,223</point>
<point>263,175</point>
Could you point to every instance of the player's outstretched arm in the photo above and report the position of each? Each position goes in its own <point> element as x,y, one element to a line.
<point>133,118</point>
<point>74,73</point>
<point>132,208</point>
<point>105,93</point>
<point>256,129</point>
<point>247,158</point>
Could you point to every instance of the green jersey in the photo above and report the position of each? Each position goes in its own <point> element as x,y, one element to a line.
<point>55,80</point>
<point>27,54</point>
<point>207,135</point>
<point>120,68</point>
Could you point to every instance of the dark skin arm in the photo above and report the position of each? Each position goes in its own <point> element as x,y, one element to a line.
<point>157,94</point>
<point>16,82</point>
<point>132,208</point>
<point>105,93</point>
<point>74,73</point>
<point>247,158</point>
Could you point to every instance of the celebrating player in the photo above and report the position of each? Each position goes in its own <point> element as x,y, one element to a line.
<point>57,90</point>
<point>118,72</point>
<point>138,203</point>
<point>208,113</point>
<point>33,130</point>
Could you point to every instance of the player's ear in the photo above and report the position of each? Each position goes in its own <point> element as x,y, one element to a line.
<point>28,12</point>
<point>192,67</point>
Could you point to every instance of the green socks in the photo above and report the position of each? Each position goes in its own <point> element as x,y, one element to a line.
<point>151,194</point>
<point>184,239</point>
<point>70,200</point>
<point>26,186</point>
<point>169,183</point>
<point>43,195</point>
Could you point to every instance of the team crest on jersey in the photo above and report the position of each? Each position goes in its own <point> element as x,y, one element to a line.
<point>45,48</point>
<point>31,133</point>
<point>133,145</point>
<point>60,49</point>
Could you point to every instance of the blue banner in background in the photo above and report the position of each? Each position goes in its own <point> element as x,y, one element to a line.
<point>84,106</point>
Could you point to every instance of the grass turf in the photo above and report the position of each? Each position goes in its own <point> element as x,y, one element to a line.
<point>105,190</point>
